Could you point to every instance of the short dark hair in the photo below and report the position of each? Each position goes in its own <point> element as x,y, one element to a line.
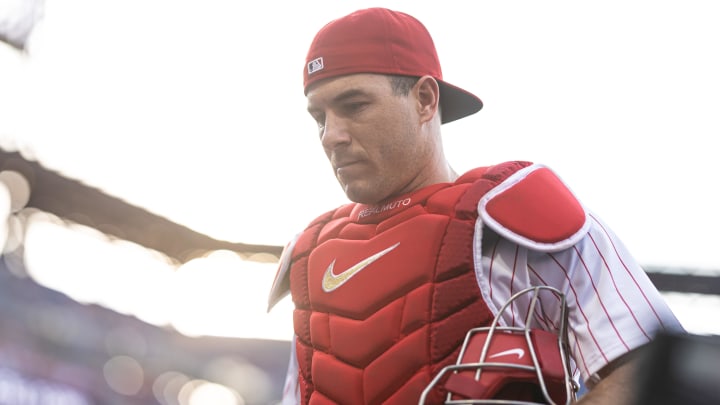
<point>401,85</point>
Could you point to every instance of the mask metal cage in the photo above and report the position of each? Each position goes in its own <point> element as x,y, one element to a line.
<point>534,369</point>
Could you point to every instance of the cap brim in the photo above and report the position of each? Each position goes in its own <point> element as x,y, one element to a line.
<point>457,103</point>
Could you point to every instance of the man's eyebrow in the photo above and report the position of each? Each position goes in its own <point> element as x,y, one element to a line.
<point>344,96</point>
<point>347,95</point>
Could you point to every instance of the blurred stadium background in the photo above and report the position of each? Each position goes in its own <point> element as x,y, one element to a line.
<point>55,349</point>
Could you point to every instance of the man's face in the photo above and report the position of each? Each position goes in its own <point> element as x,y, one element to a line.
<point>370,135</point>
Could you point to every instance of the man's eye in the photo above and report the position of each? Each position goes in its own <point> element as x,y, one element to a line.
<point>319,119</point>
<point>355,107</point>
<point>320,122</point>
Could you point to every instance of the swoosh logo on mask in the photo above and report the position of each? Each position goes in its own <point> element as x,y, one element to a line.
<point>332,281</point>
<point>517,351</point>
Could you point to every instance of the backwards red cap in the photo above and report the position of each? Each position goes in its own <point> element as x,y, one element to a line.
<point>378,40</point>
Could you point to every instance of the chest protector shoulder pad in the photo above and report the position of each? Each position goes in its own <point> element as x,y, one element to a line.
<point>535,209</point>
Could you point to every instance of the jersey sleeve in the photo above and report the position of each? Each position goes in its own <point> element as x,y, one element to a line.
<point>613,307</point>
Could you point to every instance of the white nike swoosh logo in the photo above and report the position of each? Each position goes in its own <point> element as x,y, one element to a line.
<point>517,351</point>
<point>332,281</point>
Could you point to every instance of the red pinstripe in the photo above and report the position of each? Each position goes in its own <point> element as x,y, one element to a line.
<point>617,290</point>
<point>512,283</point>
<point>492,261</point>
<point>599,298</point>
<point>571,332</point>
<point>578,349</point>
<point>581,310</point>
<point>627,270</point>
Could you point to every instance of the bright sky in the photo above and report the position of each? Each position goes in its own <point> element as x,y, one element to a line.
<point>194,110</point>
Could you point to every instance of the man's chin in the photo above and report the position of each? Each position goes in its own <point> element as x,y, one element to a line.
<point>360,194</point>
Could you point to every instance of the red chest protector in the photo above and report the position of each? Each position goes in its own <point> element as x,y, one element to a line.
<point>384,295</point>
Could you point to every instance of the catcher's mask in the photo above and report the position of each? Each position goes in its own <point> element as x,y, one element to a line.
<point>511,365</point>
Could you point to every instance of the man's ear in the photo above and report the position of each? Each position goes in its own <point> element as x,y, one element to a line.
<point>427,92</point>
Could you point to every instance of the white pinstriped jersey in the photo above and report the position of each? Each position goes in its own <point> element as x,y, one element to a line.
<point>602,283</point>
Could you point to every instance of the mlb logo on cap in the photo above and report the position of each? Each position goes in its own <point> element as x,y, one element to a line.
<point>315,65</point>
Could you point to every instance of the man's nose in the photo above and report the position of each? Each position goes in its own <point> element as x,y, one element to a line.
<point>335,132</point>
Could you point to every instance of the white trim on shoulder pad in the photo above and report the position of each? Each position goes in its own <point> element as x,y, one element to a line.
<point>280,289</point>
<point>508,183</point>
